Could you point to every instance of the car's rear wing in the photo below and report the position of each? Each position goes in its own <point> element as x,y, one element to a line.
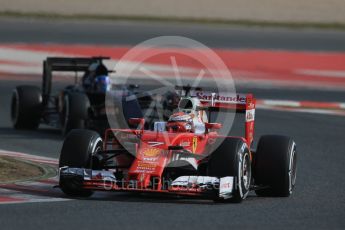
<point>225,101</point>
<point>240,103</point>
<point>64,64</point>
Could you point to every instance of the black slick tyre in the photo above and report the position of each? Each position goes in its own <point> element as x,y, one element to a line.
<point>275,166</point>
<point>232,158</point>
<point>74,112</point>
<point>26,107</point>
<point>78,148</point>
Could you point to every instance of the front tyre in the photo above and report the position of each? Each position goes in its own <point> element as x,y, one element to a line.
<point>232,158</point>
<point>275,166</point>
<point>77,151</point>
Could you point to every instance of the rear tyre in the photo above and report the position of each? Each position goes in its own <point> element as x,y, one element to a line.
<point>275,166</point>
<point>74,112</point>
<point>77,151</point>
<point>26,107</point>
<point>232,158</point>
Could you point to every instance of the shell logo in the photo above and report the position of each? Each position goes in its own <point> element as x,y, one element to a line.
<point>151,152</point>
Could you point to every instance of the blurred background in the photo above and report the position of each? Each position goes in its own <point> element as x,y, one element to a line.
<point>307,11</point>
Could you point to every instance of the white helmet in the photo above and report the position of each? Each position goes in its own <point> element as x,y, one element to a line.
<point>189,105</point>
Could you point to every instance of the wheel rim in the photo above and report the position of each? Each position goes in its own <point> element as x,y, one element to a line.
<point>246,171</point>
<point>98,146</point>
<point>292,169</point>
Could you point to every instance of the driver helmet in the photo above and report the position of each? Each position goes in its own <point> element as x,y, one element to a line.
<point>102,84</point>
<point>181,119</point>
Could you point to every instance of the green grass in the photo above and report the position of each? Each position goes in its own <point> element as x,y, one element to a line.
<point>18,170</point>
<point>293,25</point>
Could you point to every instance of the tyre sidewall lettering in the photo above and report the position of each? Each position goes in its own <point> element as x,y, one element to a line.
<point>291,165</point>
<point>243,191</point>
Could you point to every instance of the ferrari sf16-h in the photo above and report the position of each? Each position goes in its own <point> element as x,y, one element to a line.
<point>185,155</point>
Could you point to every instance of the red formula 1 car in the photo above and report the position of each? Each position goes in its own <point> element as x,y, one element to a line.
<point>184,156</point>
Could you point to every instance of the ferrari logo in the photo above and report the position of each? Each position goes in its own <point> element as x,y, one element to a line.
<point>195,143</point>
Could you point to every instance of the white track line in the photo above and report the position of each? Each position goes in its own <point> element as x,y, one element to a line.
<point>327,108</point>
<point>322,73</point>
<point>303,110</point>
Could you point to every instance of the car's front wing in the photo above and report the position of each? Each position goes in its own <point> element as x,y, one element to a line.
<point>184,185</point>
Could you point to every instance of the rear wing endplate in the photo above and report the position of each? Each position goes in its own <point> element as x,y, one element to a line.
<point>240,103</point>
